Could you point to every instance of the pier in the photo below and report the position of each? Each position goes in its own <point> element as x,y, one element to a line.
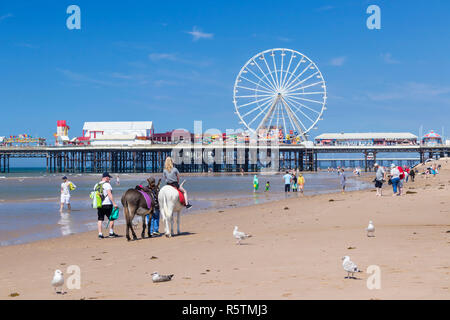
<point>207,158</point>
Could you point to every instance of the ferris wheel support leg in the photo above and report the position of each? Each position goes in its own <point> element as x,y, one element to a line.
<point>267,116</point>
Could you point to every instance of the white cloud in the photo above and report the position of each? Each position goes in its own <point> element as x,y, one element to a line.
<point>26,45</point>
<point>173,57</point>
<point>82,78</point>
<point>284,39</point>
<point>5,16</point>
<point>162,56</point>
<point>338,61</point>
<point>387,57</point>
<point>413,91</point>
<point>325,8</point>
<point>197,34</point>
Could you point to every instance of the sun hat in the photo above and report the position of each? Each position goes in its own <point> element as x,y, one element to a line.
<point>106,174</point>
<point>375,165</point>
<point>392,165</point>
<point>64,178</point>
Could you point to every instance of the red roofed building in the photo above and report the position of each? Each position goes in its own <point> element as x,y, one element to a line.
<point>431,139</point>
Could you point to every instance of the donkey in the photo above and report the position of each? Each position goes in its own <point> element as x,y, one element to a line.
<point>134,204</point>
<point>169,202</point>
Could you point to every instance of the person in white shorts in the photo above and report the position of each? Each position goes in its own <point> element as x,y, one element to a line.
<point>65,193</point>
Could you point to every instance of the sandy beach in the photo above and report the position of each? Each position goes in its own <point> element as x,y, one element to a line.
<point>295,252</point>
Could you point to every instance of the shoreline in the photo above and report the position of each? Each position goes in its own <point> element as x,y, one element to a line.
<point>207,206</point>
<point>295,252</point>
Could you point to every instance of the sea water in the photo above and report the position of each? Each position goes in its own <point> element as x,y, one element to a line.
<point>29,199</point>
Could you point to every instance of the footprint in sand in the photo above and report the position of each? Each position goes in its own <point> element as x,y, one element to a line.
<point>286,294</point>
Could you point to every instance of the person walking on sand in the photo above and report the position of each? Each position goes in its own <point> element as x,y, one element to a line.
<point>66,187</point>
<point>343,180</point>
<point>108,204</point>
<point>171,176</point>
<point>301,182</point>
<point>287,182</point>
<point>117,180</point>
<point>395,178</point>
<point>412,173</point>
<point>380,177</point>
<point>267,186</point>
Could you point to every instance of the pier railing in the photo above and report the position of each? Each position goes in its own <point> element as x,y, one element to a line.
<point>205,158</point>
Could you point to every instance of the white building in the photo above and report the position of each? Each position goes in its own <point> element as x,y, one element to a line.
<point>125,133</point>
<point>366,139</point>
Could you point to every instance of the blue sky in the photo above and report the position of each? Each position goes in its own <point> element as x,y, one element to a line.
<point>175,62</point>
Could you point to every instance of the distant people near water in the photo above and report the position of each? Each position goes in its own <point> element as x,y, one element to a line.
<point>267,186</point>
<point>108,203</point>
<point>395,179</point>
<point>255,183</point>
<point>171,176</point>
<point>294,183</point>
<point>242,171</point>
<point>301,182</point>
<point>380,177</point>
<point>343,180</point>
<point>287,182</point>
<point>117,181</point>
<point>66,187</point>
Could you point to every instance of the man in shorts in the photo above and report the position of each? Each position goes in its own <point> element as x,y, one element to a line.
<point>66,186</point>
<point>108,204</point>
<point>379,178</point>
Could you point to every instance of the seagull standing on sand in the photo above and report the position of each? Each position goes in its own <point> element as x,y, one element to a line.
<point>156,277</point>
<point>58,280</point>
<point>240,235</point>
<point>350,267</point>
<point>370,229</point>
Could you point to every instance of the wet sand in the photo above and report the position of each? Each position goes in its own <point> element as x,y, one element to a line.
<point>295,252</point>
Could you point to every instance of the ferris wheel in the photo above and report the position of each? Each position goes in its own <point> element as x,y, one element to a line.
<point>280,91</point>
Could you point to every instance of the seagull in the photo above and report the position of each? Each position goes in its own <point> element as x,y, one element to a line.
<point>58,280</point>
<point>156,277</point>
<point>240,235</point>
<point>349,266</point>
<point>370,229</point>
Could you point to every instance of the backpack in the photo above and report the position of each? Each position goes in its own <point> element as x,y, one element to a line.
<point>97,196</point>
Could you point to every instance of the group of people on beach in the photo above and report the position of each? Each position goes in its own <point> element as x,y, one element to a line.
<point>397,177</point>
<point>293,181</point>
<point>170,175</point>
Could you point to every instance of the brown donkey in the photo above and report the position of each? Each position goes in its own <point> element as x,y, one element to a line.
<point>134,203</point>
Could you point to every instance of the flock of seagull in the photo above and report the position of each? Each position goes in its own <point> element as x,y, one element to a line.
<point>349,266</point>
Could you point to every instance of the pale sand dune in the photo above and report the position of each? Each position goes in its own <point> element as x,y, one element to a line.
<point>293,254</point>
